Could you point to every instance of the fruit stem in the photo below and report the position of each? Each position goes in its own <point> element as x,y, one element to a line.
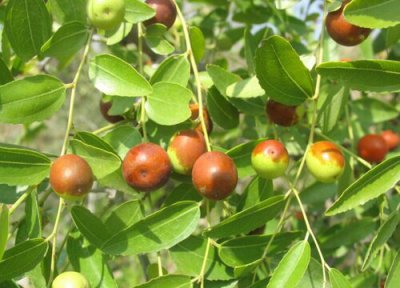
<point>195,70</point>
<point>21,199</point>
<point>73,94</point>
<point>143,104</point>
<point>109,127</point>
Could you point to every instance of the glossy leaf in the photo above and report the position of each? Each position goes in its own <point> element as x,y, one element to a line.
<point>31,99</point>
<point>249,219</point>
<point>248,88</point>
<point>174,69</point>
<point>168,281</point>
<point>22,258</point>
<point>160,230</point>
<point>313,277</point>
<point>281,73</point>
<point>338,280</point>
<point>292,267</point>
<point>156,41</point>
<point>122,139</point>
<point>94,140</point>
<point>123,216</point>
<point>115,180</point>
<point>370,110</point>
<point>197,42</point>
<point>221,111</point>
<point>137,11</point>
<point>169,104</point>
<point>221,78</point>
<point>22,167</point>
<point>69,10</point>
<point>372,184</point>
<point>364,75</point>
<point>258,190</point>
<point>27,37</point>
<point>5,74</point>
<point>123,31</point>
<point>4,218</point>
<point>113,76</point>
<point>183,192</point>
<point>393,278</point>
<point>33,217</point>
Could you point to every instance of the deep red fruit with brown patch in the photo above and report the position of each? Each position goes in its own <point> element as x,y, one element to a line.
<point>195,115</point>
<point>104,108</point>
<point>165,12</point>
<point>342,31</point>
<point>71,177</point>
<point>391,138</point>
<point>214,175</point>
<point>281,114</point>
<point>184,149</point>
<point>146,167</point>
<point>372,148</point>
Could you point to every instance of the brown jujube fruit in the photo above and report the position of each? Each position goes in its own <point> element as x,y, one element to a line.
<point>214,175</point>
<point>71,177</point>
<point>104,108</point>
<point>281,114</point>
<point>165,12</point>
<point>391,138</point>
<point>146,167</point>
<point>195,116</point>
<point>372,148</point>
<point>343,32</point>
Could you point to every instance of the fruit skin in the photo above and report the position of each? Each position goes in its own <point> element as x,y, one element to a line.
<point>165,12</point>
<point>105,106</point>
<point>146,167</point>
<point>70,280</point>
<point>195,115</point>
<point>184,149</point>
<point>343,32</point>
<point>106,14</point>
<point>214,175</point>
<point>325,161</point>
<point>283,115</point>
<point>71,177</point>
<point>391,138</point>
<point>372,148</point>
<point>270,159</point>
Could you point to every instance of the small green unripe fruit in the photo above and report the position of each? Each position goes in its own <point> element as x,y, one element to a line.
<point>270,159</point>
<point>70,280</point>
<point>325,161</point>
<point>184,149</point>
<point>106,14</point>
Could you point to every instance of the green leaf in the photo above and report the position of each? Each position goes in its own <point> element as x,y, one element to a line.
<point>123,216</point>
<point>123,138</point>
<point>4,218</point>
<point>160,230</point>
<point>292,267</point>
<point>102,162</point>
<point>9,194</point>
<point>33,217</point>
<point>313,277</point>
<point>67,41</point>
<point>137,11</point>
<point>174,69</point>
<point>364,75</point>
<point>373,13</point>
<point>337,279</point>
<point>189,256</point>
<point>123,30</point>
<point>94,140</point>
<point>370,110</point>
<point>168,281</point>
<point>69,10</point>
<point>281,73</point>
<point>384,233</point>
<point>258,190</point>
<point>168,104</point>
<point>90,262</point>
<point>90,226</point>
<point>249,219</point>
<point>221,78</point>
<point>22,258</point>
<point>31,99</point>
<point>248,249</point>
<point>372,184</point>
<point>183,192</point>
<point>248,88</point>
<point>113,76</point>
<point>221,111</point>
<point>393,278</point>
<point>156,41</point>
<point>115,180</point>
<point>28,26</point>
<point>22,167</point>
<point>5,74</point>
<point>249,49</point>
<point>197,42</point>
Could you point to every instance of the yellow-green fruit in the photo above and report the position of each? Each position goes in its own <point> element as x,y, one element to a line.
<point>70,280</point>
<point>106,14</point>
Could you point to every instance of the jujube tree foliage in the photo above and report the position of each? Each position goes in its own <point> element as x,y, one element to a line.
<point>199,143</point>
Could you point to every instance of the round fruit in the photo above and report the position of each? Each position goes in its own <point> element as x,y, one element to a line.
<point>71,177</point>
<point>342,31</point>
<point>372,148</point>
<point>325,161</point>
<point>106,14</point>
<point>195,115</point>
<point>391,138</point>
<point>146,167</point>
<point>215,175</point>
<point>184,149</point>
<point>105,106</point>
<point>165,12</point>
<point>283,115</point>
<point>70,280</point>
<point>270,159</point>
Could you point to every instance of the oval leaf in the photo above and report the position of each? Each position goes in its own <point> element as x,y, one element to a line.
<point>338,280</point>
<point>137,11</point>
<point>393,278</point>
<point>168,281</point>
<point>241,154</point>
<point>174,69</point>
<point>221,111</point>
